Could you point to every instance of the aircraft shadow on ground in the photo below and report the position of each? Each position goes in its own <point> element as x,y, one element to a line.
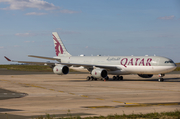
<point>172,79</point>
<point>111,80</point>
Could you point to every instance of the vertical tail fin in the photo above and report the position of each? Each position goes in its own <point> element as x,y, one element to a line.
<point>59,46</point>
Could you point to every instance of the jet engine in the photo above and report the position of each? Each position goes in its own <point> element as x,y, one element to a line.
<point>61,69</point>
<point>145,75</point>
<point>99,73</point>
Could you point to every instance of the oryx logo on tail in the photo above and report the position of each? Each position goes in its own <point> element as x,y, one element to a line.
<point>58,47</point>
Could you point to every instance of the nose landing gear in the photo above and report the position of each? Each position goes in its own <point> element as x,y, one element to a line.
<point>160,77</point>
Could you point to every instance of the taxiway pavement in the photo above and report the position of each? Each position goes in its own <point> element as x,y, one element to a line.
<point>72,95</point>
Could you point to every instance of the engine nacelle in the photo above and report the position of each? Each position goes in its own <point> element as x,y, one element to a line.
<point>61,69</point>
<point>99,73</point>
<point>145,75</point>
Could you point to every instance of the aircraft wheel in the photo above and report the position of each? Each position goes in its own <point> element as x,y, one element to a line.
<point>160,79</point>
<point>88,78</point>
<point>114,77</point>
<point>92,78</point>
<point>107,78</point>
<point>117,77</point>
<point>121,77</point>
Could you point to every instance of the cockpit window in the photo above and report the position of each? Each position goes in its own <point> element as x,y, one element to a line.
<point>169,61</point>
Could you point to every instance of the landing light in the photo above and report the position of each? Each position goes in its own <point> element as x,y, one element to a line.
<point>82,55</point>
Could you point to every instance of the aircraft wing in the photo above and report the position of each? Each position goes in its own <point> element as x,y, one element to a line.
<point>48,58</point>
<point>107,67</point>
<point>30,62</point>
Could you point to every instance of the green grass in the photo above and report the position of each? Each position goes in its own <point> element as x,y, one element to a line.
<point>33,68</point>
<point>27,68</point>
<point>163,115</point>
<point>177,69</point>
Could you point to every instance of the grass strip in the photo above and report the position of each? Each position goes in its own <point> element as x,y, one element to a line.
<point>27,68</point>
<point>163,115</point>
<point>32,68</point>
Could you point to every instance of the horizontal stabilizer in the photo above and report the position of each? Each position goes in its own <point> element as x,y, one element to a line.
<point>7,58</point>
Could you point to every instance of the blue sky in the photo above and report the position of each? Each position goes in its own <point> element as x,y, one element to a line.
<point>90,27</point>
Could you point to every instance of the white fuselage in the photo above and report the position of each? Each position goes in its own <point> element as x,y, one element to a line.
<point>126,64</point>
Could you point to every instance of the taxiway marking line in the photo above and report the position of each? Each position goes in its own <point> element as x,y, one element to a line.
<point>118,102</point>
<point>99,99</point>
<point>137,105</point>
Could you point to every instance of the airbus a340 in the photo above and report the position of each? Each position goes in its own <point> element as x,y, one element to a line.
<point>100,66</point>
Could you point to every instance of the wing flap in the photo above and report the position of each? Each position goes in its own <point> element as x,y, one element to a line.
<point>37,63</point>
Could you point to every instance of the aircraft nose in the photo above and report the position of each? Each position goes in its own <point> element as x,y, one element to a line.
<point>174,66</point>
<point>170,64</point>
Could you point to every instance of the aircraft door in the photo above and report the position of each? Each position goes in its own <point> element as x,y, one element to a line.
<point>157,61</point>
<point>92,61</point>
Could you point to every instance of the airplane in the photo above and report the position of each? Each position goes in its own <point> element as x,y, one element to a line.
<point>100,66</point>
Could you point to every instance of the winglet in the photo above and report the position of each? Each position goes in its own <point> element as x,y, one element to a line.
<point>7,58</point>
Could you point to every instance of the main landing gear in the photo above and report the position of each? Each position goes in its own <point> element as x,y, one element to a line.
<point>160,77</point>
<point>91,78</point>
<point>117,77</point>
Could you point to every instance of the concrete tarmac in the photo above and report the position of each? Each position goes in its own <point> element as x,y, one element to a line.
<point>72,95</point>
